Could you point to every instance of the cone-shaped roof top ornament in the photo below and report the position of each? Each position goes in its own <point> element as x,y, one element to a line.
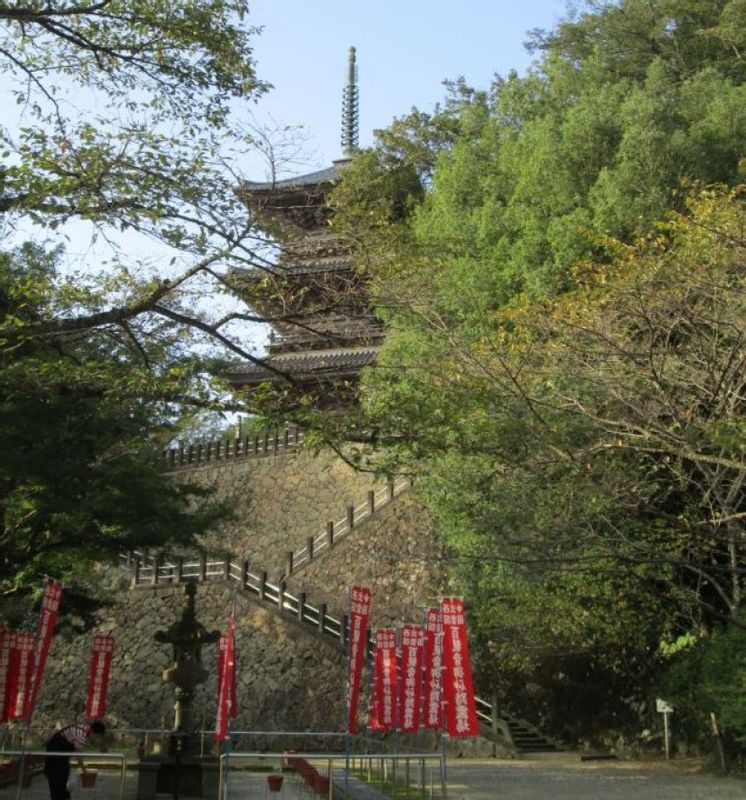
<point>350,108</point>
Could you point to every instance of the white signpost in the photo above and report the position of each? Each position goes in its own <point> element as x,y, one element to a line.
<point>662,707</point>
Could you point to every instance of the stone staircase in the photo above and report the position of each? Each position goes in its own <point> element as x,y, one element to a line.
<point>150,571</point>
<point>527,739</point>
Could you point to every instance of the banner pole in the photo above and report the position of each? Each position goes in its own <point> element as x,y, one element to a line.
<point>440,642</point>
<point>348,742</point>
<point>231,699</point>
<point>421,732</point>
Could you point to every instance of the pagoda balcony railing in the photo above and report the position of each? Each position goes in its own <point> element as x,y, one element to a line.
<point>342,336</point>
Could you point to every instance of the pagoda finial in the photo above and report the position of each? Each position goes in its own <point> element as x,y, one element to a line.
<point>350,109</point>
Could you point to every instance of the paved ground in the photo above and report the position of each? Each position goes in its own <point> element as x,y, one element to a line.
<point>560,778</point>
<point>568,778</point>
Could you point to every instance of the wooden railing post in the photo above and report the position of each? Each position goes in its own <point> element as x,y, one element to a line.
<point>350,517</point>
<point>330,534</point>
<point>190,455</point>
<point>289,562</point>
<point>275,443</point>
<point>285,438</point>
<point>154,577</point>
<point>227,573</point>
<point>391,488</point>
<point>263,586</point>
<point>301,606</point>
<point>371,501</point>
<point>244,574</point>
<point>322,618</point>
<point>309,547</point>
<point>281,595</point>
<point>179,569</point>
<point>203,567</point>
<point>136,574</point>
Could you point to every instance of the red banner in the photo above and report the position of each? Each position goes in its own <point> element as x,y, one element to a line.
<point>412,638</point>
<point>222,649</point>
<point>226,677</point>
<point>433,657</point>
<point>384,700</point>
<point>5,634</point>
<point>359,612</point>
<point>374,717</point>
<point>458,688</point>
<point>47,619</point>
<point>102,653</point>
<point>20,671</point>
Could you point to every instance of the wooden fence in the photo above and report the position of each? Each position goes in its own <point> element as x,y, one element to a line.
<point>268,444</point>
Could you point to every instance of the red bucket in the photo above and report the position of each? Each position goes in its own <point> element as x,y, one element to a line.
<point>87,780</point>
<point>274,782</point>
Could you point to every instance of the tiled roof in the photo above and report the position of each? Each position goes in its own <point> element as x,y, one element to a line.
<point>328,175</point>
<point>304,364</point>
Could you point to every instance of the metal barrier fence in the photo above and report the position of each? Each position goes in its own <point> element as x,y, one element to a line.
<point>403,773</point>
<point>27,762</point>
<point>419,775</point>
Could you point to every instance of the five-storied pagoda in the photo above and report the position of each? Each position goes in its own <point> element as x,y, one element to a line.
<point>323,330</point>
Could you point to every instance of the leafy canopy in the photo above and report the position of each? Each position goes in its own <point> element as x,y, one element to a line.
<point>120,144</point>
<point>564,363</point>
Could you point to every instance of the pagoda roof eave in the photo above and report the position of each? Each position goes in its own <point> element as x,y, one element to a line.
<point>303,366</point>
<point>328,175</point>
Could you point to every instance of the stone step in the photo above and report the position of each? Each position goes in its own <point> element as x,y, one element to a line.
<point>528,739</point>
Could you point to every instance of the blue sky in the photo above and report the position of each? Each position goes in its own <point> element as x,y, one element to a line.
<point>405,49</point>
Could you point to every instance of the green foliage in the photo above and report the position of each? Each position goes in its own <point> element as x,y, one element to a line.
<point>125,111</point>
<point>84,418</point>
<point>709,677</point>
<point>566,320</point>
<point>194,54</point>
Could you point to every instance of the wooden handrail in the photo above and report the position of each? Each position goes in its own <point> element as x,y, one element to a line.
<point>184,457</point>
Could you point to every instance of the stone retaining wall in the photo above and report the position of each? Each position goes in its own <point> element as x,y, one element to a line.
<point>279,501</point>
<point>394,553</point>
<point>289,677</point>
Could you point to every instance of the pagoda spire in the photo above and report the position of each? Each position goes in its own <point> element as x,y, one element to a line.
<point>350,108</point>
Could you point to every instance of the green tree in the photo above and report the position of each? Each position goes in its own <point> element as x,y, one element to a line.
<point>563,374</point>
<point>84,418</point>
<point>122,135</point>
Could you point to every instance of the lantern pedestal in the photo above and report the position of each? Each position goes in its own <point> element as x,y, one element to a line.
<point>184,777</point>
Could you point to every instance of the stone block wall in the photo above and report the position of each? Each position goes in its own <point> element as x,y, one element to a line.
<point>289,677</point>
<point>395,553</point>
<point>279,501</point>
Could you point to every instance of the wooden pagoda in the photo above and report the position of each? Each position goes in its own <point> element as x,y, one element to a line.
<point>316,302</point>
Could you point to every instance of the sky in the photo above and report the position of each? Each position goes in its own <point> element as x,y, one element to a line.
<point>405,50</point>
